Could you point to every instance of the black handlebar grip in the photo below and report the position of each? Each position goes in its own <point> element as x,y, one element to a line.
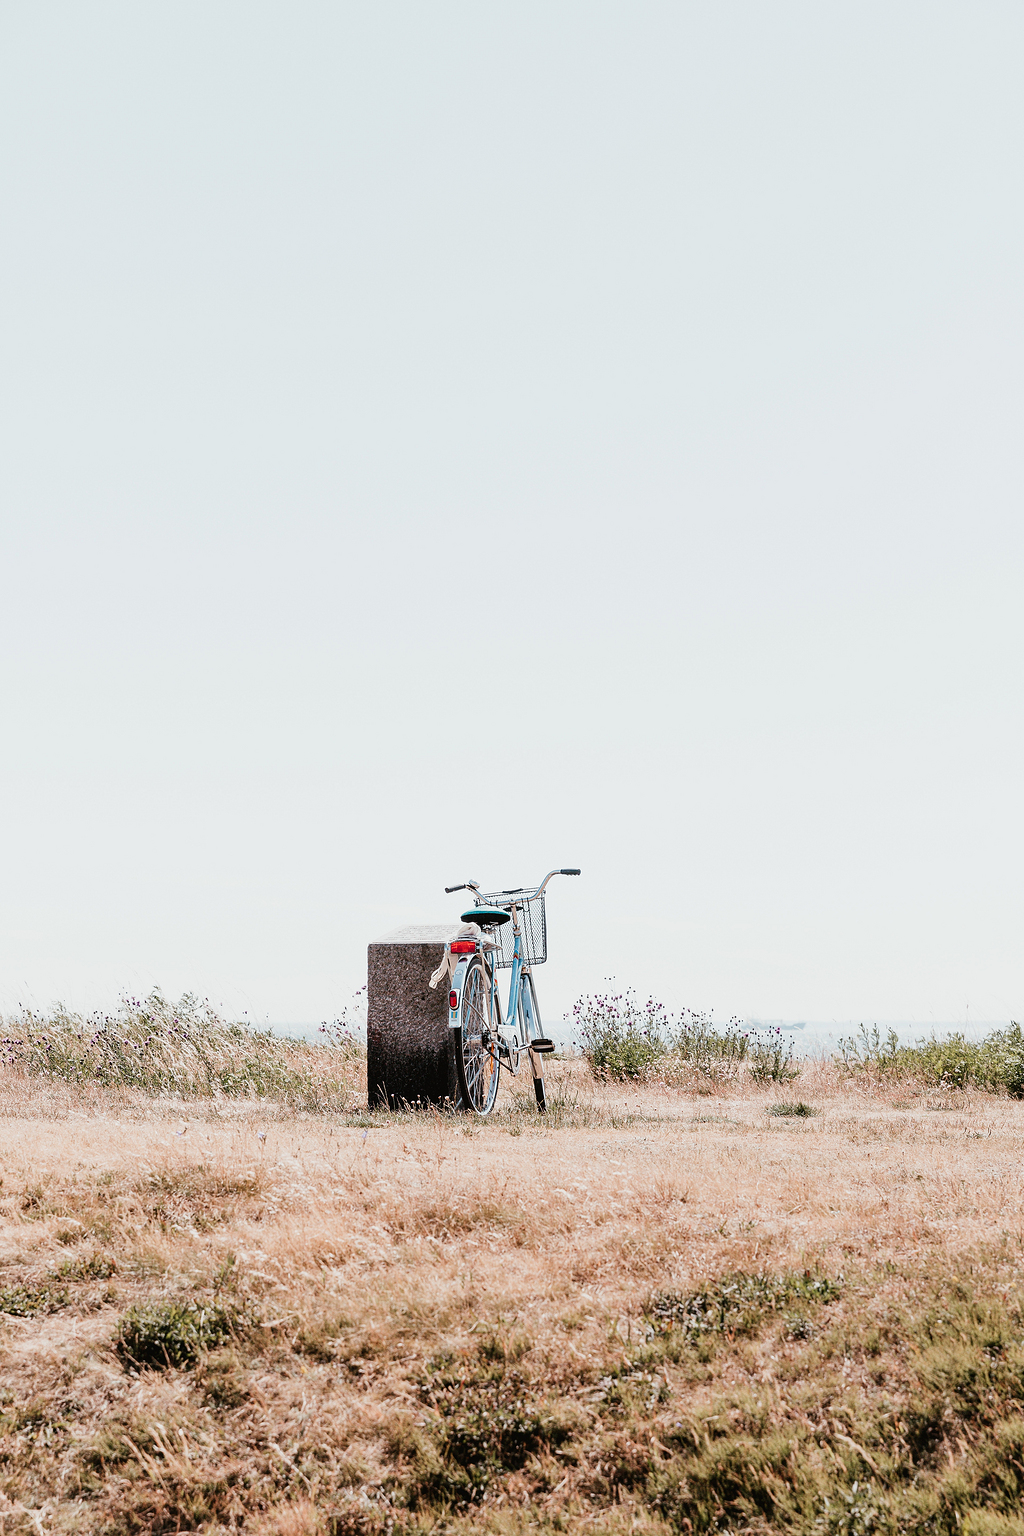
<point>449,889</point>
<point>568,871</point>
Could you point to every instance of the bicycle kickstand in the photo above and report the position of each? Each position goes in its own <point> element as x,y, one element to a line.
<point>537,1067</point>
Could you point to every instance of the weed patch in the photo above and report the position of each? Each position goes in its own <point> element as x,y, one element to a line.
<point>623,1039</point>
<point>176,1333</point>
<point>737,1304</point>
<point>630,1390</point>
<point>771,1057</point>
<point>484,1427</point>
<point>620,1037</point>
<point>942,1455</point>
<point>994,1064</point>
<point>98,1266</point>
<point>28,1300</point>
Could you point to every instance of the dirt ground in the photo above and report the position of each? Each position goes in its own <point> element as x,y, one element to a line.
<point>381,1282</point>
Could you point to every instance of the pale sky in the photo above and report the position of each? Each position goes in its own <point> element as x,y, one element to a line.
<point>452,440</point>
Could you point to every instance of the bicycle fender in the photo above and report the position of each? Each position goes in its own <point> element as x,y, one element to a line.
<point>458,978</point>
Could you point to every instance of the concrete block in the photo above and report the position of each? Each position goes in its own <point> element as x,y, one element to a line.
<point>409,1055</point>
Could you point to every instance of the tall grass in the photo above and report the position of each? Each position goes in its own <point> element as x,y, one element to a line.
<point>620,1036</point>
<point>993,1064</point>
<point>623,1038</point>
<point>184,1050</point>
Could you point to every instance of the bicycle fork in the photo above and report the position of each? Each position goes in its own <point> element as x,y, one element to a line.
<point>536,1060</point>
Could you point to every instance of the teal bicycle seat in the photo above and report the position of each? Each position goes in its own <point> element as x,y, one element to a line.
<point>486,917</point>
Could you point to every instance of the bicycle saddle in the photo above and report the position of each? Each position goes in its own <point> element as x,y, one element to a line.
<point>486,917</point>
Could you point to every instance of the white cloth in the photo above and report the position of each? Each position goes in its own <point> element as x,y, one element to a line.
<point>450,961</point>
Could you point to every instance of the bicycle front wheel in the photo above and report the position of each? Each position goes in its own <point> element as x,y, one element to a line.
<point>476,1043</point>
<point>529,1010</point>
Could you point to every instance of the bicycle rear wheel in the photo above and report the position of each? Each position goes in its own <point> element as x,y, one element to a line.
<point>476,1043</point>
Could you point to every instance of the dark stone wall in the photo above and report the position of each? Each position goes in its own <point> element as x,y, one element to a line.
<point>409,1055</point>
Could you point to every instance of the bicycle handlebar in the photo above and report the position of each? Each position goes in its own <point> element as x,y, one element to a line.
<point>540,889</point>
<point>473,885</point>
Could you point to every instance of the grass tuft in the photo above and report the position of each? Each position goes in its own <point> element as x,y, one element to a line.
<point>98,1266</point>
<point>483,1427</point>
<point>736,1304</point>
<point>28,1300</point>
<point>176,1333</point>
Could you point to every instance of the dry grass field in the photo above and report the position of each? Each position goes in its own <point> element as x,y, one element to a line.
<point>652,1311</point>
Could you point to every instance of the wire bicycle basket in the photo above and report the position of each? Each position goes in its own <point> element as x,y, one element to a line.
<point>532,926</point>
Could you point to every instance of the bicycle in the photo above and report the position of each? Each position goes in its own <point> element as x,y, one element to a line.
<point>485,1041</point>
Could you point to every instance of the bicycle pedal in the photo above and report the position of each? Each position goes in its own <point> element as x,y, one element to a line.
<point>542,1046</point>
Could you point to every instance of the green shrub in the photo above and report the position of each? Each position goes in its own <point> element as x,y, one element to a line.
<point>799,1110</point>
<point>698,1041</point>
<point>771,1057</point>
<point>620,1037</point>
<point>994,1064</point>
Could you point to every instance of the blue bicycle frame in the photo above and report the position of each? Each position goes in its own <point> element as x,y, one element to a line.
<point>516,994</point>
